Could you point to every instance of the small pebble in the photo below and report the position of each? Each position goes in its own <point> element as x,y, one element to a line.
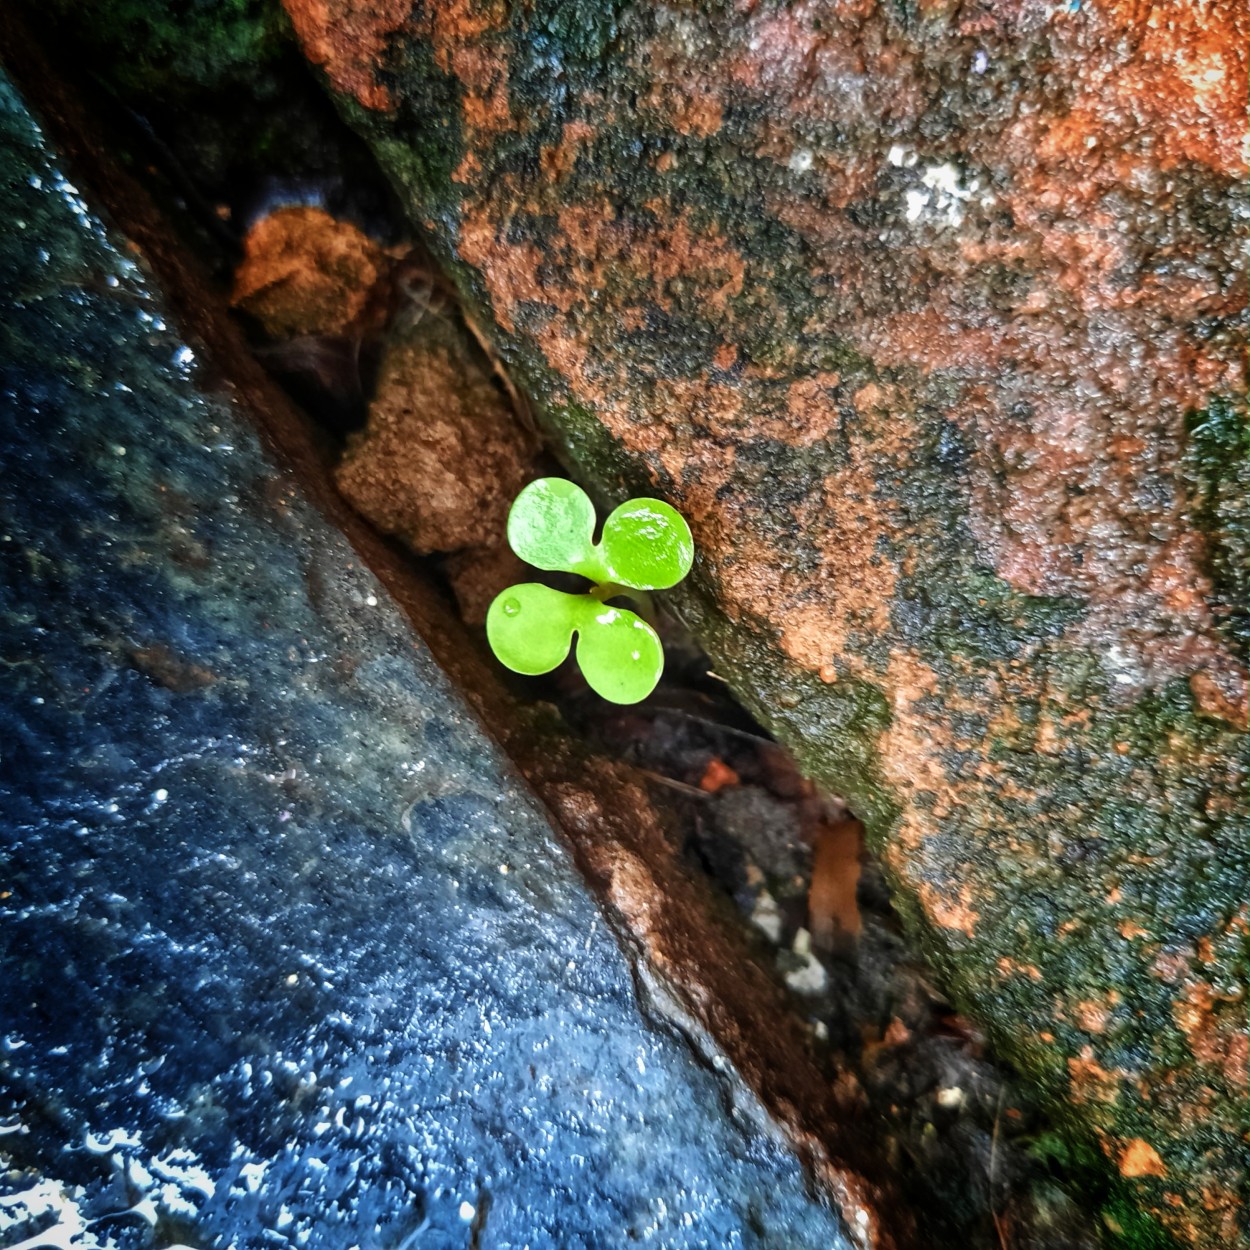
<point>811,978</point>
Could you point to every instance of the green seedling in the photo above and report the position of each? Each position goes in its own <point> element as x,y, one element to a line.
<point>646,545</point>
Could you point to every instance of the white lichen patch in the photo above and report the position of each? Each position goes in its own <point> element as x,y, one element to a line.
<point>809,977</point>
<point>801,160</point>
<point>766,916</point>
<point>941,198</point>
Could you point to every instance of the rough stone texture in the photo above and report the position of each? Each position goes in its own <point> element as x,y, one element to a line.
<point>305,273</point>
<point>288,956</point>
<point>442,456</point>
<point>930,318</point>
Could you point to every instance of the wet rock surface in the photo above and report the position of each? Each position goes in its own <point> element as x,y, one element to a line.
<point>931,320</point>
<point>289,956</point>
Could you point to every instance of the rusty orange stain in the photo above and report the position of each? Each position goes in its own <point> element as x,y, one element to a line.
<point>811,409</point>
<point>1215,1029</point>
<point>717,775</point>
<point>1140,1158</point>
<point>1090,1081</point>
<point>347,38</point>
<point>1181,76</point>
<point>1221,702</point>
<point>1094,1015</point>
<point>558,160</point>
<point>687,111</point>
<point>950,913</point>
<point>1010,967</point>
<point>910,747</point>
<point>832,906</point>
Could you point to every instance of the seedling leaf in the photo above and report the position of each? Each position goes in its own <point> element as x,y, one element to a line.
<point>552,526</point>
<point>530,627</point>
<point>620,655</point>
<point>647,545</point>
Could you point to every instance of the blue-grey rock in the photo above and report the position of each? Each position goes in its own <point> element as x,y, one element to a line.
<point>288,954</point>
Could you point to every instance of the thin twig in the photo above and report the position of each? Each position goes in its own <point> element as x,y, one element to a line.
<point>712,724</point>
<point>673,783</point>
<point>998,1115</point>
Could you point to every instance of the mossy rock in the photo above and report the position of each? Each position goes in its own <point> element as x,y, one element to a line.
<point>179,47</point>
<point>910,314</point>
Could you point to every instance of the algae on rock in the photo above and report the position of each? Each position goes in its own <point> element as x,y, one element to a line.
<point>906,313</point>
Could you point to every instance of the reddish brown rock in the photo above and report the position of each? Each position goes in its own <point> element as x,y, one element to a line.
<point>304,272</point>
<point>442,457</point>
<point>320,298</point>
<point>931,318</point>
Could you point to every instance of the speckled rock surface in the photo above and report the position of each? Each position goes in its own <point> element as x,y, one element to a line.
<point>442,456</point>
<point>305,273</point>
<point>287,955</point>
<point>930,317</point>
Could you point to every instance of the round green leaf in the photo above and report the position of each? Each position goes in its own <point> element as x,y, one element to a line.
<point>619,653</point>
<point>647,545</point>
<point>552,525</point>
<point>530,626</point>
